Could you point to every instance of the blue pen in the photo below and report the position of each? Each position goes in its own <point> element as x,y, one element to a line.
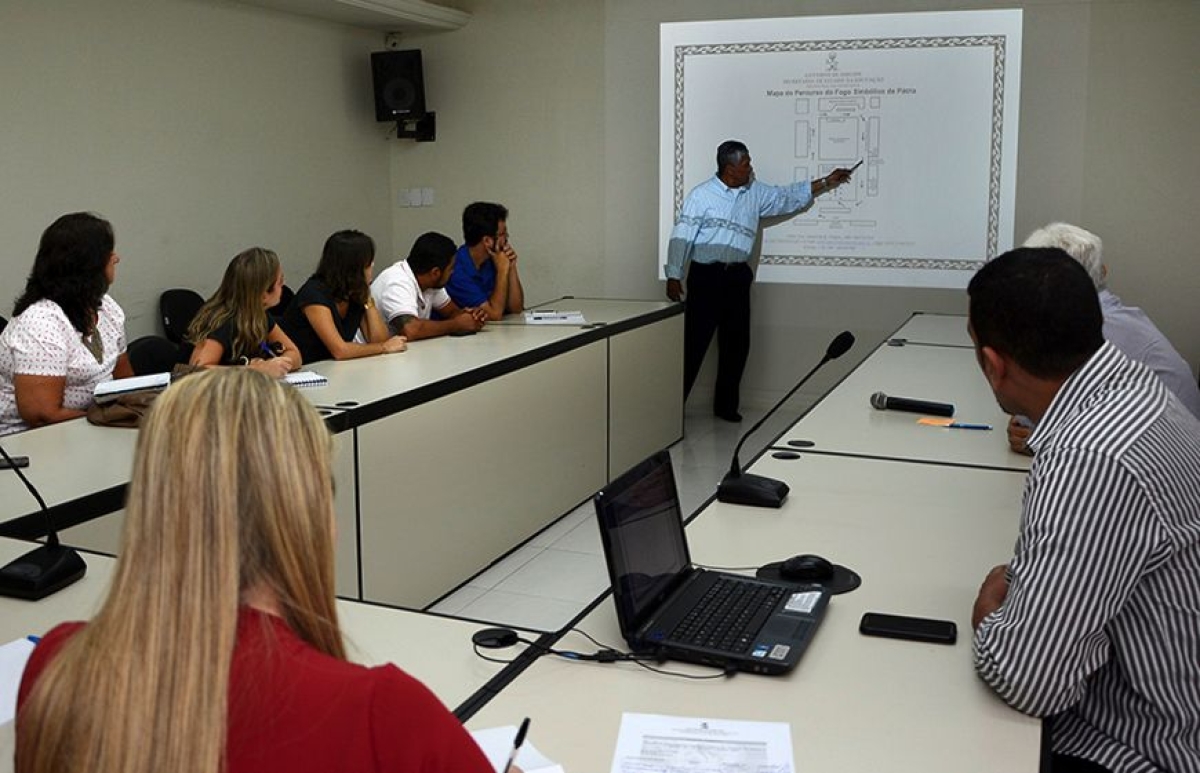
<point>270,355</point>
<point>34,639</point>
<point>961,425</point>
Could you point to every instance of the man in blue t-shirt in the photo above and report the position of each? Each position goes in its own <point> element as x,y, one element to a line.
<point>485,267</point>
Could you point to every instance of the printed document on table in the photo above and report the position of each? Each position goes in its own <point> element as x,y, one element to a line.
<point>12,664</point>
<point>497,743</point>
<point>652,743</point>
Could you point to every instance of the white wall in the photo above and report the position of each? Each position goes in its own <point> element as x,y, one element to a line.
<point>1108,115</point>
<point>198,128</point>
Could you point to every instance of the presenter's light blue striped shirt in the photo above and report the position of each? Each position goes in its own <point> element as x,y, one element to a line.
<point>719,224</point>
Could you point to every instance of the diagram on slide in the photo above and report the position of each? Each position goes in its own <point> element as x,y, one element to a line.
<point>926,102</point>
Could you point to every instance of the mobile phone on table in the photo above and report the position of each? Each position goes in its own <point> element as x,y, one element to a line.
<point>908,628</point>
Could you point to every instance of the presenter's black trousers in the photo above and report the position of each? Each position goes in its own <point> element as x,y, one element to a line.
<point>718,301</point>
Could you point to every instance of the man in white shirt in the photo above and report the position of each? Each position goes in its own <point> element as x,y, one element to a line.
<point>409,291</point>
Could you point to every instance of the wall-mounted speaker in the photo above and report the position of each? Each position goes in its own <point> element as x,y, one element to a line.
<point>399,85</point>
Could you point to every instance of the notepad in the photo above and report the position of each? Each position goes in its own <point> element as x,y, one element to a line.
<point>306,378</point>
<point>107,391</point>
<point>497,742</point>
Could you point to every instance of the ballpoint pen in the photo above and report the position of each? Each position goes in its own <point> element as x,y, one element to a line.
<point>520,739</point>
<point>964,425</point>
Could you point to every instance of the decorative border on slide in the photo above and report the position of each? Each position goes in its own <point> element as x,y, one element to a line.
<point>998,45</point>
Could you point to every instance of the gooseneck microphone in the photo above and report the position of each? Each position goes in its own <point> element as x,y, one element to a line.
<point>884,403</point>
<point>46,569</point>
<point>741,488</point>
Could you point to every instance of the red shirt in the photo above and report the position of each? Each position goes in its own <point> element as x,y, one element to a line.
<point>292,708</point>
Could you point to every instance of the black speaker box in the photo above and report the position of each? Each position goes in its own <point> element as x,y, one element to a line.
<point>399,85</point>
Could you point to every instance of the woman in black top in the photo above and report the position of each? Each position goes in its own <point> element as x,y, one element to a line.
<point>335,304</point>
<point>234,328</point>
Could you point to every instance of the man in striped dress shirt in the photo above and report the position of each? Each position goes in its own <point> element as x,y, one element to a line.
<point>1095,621</point>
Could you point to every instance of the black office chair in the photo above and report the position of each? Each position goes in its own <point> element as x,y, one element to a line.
<point>152,354</point>
<point>177,307</point>
<point>285,298</point>
<point>3,324</point>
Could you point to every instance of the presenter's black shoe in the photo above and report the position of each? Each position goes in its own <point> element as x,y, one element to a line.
<point>732,416</point>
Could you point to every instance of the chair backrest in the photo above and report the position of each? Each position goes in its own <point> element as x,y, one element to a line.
<point>3,324</point>
<point>177,307</point>
<point>285,297</point>
<point>152,354</point>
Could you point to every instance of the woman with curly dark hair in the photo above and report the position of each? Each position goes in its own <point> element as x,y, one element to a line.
<point>67,333</point>
<point>334,306</point>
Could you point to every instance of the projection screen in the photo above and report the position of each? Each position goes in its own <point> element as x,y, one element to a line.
<point>927,101</point>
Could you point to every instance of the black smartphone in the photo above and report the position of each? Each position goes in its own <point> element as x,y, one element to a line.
<point>909,628</point>
<point>17,461</point>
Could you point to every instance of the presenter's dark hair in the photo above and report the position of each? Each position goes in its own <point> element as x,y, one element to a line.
<point>431,250</point>
<point>69,268</point>
<point>482,219</point>
<point>730,153</point>
<point>343,266</point>
<point>1038,306</point>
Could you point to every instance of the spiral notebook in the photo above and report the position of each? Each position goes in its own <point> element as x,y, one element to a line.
<point>306,378</point>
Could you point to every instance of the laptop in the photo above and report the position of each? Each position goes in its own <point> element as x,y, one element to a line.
<point>668,607</point>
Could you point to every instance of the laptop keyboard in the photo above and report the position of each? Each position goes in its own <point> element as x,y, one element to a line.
<point>729,616</point>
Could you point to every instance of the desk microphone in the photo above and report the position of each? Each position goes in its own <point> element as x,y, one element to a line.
<point>741,488</point>
<point>884,403</point>
<point>46,569</point>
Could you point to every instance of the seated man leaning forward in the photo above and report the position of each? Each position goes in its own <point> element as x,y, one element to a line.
<point>410,290</point>
<point>1095,620</point>
<point>1128,327</point>
<point>486,265</point>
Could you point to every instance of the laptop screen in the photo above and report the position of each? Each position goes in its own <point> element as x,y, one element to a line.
<point>642,529</point>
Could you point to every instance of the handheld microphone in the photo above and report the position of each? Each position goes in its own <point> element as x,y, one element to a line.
<point>755,490</point>
<point>882,402</point>
<point>46,569</point>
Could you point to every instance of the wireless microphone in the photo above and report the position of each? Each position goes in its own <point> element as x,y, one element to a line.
<point>43,570</point>
<point>741,488</point>
<point>884,403</point>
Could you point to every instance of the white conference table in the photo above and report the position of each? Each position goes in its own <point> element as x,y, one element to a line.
<point>844,421</point>
<point>448,455</point>
<point>436,650</point>
<point>922,541</point>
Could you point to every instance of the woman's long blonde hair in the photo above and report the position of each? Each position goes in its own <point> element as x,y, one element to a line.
<point>231,491</point>
<point>239,298</point>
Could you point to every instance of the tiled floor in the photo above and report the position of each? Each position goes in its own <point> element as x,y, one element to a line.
<point>545,583</point>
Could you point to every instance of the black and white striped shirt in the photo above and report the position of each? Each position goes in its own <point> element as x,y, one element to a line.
<point>1101,625</point>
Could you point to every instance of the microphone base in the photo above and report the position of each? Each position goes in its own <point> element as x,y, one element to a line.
<point>752,490</point>
<point>40,572</point>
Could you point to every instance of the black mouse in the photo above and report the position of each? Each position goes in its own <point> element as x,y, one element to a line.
<point>806,567</point>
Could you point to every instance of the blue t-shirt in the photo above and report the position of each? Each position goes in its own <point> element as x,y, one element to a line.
<point>470,286</point>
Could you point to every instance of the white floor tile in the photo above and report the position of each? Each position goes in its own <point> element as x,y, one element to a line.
<point>564,526</point>
<point>562,575</point>
<point>584,538</point>
<point>535,612</point>
<point>505,567</point>
<point>455,602</point>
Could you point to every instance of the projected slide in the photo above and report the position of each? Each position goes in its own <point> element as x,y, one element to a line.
<point>928,102</point>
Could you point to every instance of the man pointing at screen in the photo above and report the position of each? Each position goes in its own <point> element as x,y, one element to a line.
<point>715,234</point>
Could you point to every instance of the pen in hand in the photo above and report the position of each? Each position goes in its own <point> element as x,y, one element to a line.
<point>520,739</point>
<point>268,353</point>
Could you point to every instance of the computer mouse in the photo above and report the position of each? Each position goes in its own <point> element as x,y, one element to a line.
<point>806,567</point>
